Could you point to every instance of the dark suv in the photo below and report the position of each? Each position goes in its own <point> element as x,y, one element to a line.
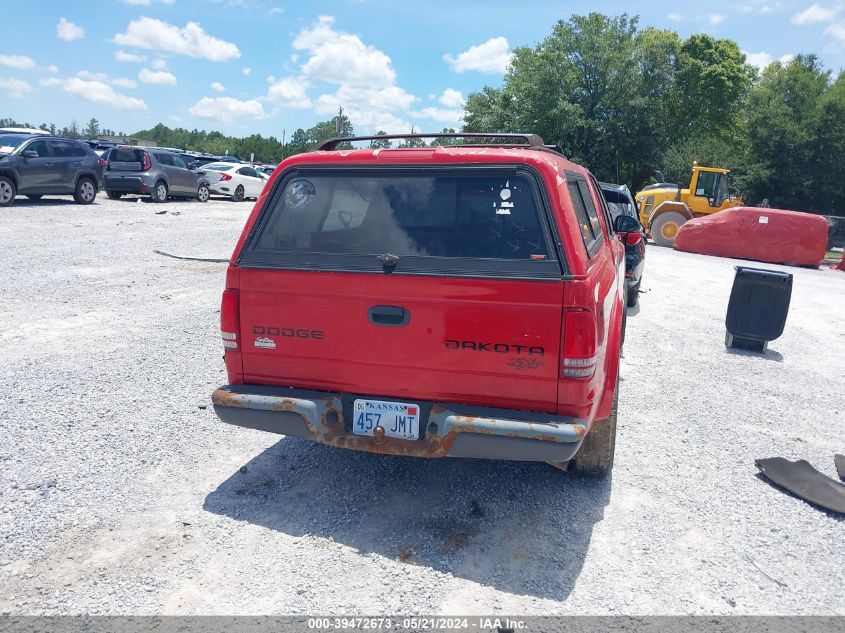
<point>35,166</point>
<point>149,171</point>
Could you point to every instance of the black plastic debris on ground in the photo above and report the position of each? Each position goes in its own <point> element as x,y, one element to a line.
<point>839,460</point>
<point>805,482</point>
<point>757,308</point>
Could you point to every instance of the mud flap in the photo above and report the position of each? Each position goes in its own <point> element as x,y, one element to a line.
<point>805,482</point>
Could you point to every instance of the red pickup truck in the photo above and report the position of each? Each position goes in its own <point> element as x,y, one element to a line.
<point>461,300</point>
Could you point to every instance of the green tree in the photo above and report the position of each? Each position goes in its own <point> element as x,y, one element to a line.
<point>711,79</point>
<point>380,143</point>
<point>616,97</point>
<point>92,130</point>
<point>786,133</point>
<point>828,165</point>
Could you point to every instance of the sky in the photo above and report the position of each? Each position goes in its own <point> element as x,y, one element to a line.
<point>271,66</point>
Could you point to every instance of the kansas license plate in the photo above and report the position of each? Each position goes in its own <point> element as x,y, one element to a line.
<point>398,419</point>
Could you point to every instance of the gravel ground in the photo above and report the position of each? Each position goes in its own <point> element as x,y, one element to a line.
<point>120,493</point>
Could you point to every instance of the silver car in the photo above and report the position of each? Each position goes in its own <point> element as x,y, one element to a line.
<point>154,172</point>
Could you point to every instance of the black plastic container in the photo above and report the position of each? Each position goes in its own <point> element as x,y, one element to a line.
<point>758,307</point>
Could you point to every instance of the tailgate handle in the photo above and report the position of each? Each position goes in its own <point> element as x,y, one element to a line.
<point>389,315</point>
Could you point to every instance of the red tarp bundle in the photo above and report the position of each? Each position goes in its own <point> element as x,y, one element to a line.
<point>767,235</point>
<point>841,264</point>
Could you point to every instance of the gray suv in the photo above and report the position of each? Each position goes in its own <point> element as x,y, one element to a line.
<point>154,172</point>
<point>36,166</point>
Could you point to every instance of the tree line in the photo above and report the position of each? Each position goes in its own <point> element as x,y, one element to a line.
<point>626,101</point>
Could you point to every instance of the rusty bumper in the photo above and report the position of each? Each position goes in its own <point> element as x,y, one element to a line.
<point>445,430</point>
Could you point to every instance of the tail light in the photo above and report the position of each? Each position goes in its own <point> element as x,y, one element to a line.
<point>147,162</point>
<point>579,344</point>
<point>632,239</point>
<point>225,177</point>
<point>101,163</point>
<point>229,320</point>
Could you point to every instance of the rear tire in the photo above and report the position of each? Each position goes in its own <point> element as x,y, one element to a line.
<point>114,195</point>
<point>8,191</point>
<point>203,193</point>
<point>634,295</point>
<point>238,196</point>
<point>665,228</point>
<point>34,196</point>
<point>86,191</point>
<point>160,191</point>
<point>595,457</point>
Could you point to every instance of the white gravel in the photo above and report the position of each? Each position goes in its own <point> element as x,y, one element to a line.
<point>121,493</point>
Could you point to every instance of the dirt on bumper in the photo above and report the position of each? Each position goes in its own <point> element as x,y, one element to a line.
<point>449,430</point>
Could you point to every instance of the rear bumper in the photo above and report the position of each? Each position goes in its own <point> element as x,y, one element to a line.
<point>129,184</point>
<point>220,189</point>
<point>445,430</point>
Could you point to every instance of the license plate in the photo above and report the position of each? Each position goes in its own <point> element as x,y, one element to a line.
<point>398,419</point>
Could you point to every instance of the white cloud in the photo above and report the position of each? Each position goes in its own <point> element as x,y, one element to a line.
<point>21,62</point>
<point>454,118</point>
<point>493,56</point>
<point>836,30</point>
<point>247,71</point>
<point>87,74</point>
<point>191,40</point>
<point>52,68</point>
<point>218,87</point>
<point>15,88</point>
<point>371,109</point>
<point>227,109</point>
<point>815,14</point>
<point>675,17</point>
<point>97,92</point>
<point>157,77</point>
<point>123,56</point>
<point>159,63</point>
<point>289,92</point>
<point>715,19</point>
<point>762,60</point>
<point>357,99</point>
<point>342,58</point>
<point>363,74</point>
<point>761,6</point>
<point>68,31</point>
<point>451,98</point>
<point>125,82</point>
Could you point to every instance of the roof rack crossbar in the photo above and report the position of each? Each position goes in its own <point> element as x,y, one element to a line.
<point>529,140</point>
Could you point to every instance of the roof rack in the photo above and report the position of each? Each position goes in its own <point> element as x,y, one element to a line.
<point>528,140</point>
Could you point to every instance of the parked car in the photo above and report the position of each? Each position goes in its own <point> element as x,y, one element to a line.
<point>23,130</point>
<point>621,203</point>
<point>266,169</point>
<point>197,161</point>
<point>229,159</point>
<point>35,165</point>
<point>434,302</point>
<point>154,172</point>
<point>234,180</point>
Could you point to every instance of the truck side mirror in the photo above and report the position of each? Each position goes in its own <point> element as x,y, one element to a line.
<point>626,224</point>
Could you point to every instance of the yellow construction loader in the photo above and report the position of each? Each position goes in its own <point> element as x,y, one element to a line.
<point>664,207</point>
